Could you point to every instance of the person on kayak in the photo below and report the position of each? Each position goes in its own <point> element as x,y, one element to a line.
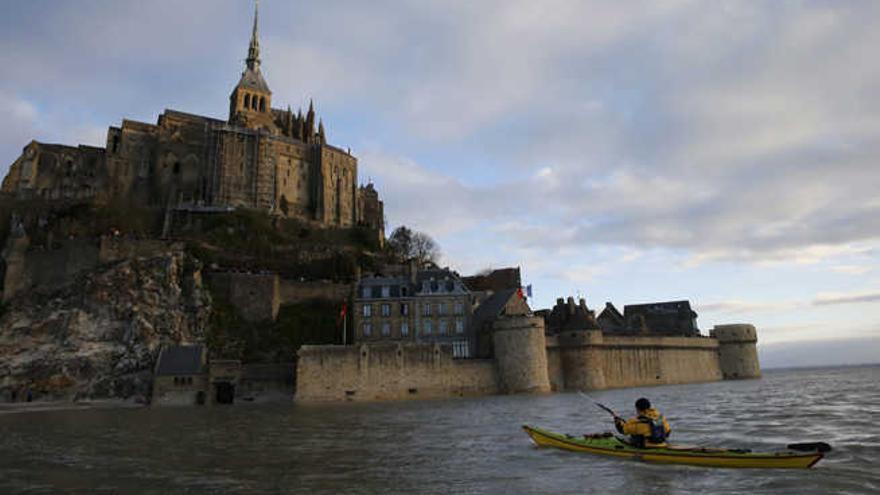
<point>648,429</point>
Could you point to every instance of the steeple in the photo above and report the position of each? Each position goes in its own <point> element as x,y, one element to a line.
<point>250,104</point>
<point>253,60</point>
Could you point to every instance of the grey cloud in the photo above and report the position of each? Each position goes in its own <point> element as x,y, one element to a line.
<point>846,299</point>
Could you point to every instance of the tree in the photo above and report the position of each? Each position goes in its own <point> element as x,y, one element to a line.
<point>424,249</point>
<point>406,245</point>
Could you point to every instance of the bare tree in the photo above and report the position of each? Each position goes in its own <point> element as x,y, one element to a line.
<point>424,249</point>
<point>407,245</point>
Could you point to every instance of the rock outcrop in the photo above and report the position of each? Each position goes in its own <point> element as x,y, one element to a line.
<point>99,336</point>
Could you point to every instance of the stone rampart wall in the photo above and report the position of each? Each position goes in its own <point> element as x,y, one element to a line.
<point>589,360</point>
<point>256,296</point>
<point>293,291</point>
<point>390,372</point>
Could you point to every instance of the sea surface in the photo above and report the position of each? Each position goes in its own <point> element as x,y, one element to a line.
<point>470,445</point>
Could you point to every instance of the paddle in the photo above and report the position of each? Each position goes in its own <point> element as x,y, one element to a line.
<point>601,406</point>
<point>806,447</point>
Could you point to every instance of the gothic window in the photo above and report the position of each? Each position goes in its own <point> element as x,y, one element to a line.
<point>247,101</point>
<point>262,104</point>
<point>254,102</point>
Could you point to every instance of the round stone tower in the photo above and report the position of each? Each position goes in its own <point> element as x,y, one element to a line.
<point>582,360</point>
<point>737,351</point>
<point>521,354</point>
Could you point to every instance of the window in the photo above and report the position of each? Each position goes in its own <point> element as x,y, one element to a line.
<point>404,309</point>
<point>386,309</point>
<point>403,291</point>
<point>386,291</point>
<point>386,329</point>
<point>368,329</point>
<point>427,327</point>
<point>404,329</point>
<point>368,310</point>
<point>365,292</point>
<point>459,308</point>
<point>442,327</point>
<point>247,101</point>
<point>459,326</point>
<point>426,309</point>
<point>441,308</point>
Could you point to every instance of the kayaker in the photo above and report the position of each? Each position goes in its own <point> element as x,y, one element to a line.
<point>648,429</point>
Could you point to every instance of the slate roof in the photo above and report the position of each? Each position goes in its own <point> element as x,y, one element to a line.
<point>253,79</point>
<point>180,360</point>
<point>492,306</point>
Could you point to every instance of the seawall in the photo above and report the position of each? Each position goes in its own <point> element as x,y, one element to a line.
<point>592,361</point>
<point>390,372</point>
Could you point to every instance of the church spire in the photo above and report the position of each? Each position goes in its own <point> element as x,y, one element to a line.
<point>253,60</point>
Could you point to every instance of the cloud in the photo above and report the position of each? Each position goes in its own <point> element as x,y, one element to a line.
<point>833,299</point>
<point>744,307</point>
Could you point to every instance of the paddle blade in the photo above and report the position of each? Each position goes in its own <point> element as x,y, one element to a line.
<point>807,447</point>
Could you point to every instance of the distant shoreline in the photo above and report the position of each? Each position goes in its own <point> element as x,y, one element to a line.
<point>821,366</point>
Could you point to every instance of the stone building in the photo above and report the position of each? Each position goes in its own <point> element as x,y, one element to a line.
<point>674,318</point>
<point>566,315</point>
<point>415,305</point>
<point>260,157</point>
<point>181,376</point>
<point>507,302</point>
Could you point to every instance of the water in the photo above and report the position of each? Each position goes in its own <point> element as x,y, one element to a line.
<point>449,446</point>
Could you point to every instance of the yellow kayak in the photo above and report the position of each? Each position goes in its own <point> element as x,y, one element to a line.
<point>607,444</point>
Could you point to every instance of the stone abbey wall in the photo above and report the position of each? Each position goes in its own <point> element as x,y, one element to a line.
<point>526,362</point>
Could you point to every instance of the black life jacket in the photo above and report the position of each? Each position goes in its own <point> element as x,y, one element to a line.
<point>658,431</point>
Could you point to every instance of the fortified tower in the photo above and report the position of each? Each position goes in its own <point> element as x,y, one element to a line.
<point>521,354</point>
<point>737,351</point>
<point>579,336</point>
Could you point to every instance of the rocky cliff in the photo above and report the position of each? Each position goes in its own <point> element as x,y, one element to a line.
<point>99,336</point>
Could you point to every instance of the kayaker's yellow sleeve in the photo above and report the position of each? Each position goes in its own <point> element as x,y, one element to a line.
<point>635,427</point>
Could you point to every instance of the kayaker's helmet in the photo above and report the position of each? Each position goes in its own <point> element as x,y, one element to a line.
<point>643,404</point>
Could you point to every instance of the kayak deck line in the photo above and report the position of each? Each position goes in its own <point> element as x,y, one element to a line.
<point>699,456</point>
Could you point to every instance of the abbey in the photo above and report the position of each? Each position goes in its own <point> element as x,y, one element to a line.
<point>260,158</point>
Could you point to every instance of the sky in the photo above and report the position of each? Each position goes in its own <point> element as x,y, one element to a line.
<point>724,152</point>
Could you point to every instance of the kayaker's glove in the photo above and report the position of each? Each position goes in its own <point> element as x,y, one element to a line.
<point>618,423</point>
